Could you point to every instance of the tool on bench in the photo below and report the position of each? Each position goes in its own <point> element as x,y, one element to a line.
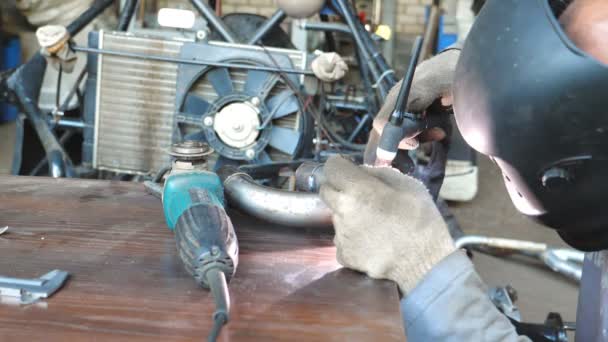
<point>193,204</point>
<point>568,262</point>
<point>402,124</point>
<point>31,290</point>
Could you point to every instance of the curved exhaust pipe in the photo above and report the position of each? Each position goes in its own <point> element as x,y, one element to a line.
<point>287,208</point>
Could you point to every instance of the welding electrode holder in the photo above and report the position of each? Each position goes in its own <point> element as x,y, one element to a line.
<point>401,124</point>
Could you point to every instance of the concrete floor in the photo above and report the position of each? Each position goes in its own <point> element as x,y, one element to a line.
<point>492,213</point>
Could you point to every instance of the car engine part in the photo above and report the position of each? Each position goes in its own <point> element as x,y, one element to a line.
<point>136,108</point>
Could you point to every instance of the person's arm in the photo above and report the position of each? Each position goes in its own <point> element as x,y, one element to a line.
<point>451,304</point>
<point>388,227</point>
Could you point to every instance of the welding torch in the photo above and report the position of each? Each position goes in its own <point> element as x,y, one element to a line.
<point>402,124</point>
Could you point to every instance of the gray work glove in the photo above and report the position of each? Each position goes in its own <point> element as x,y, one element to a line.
<point>386,223</point>
<point>432,81</point>
<point>329,67</point>
<point>53,40</point>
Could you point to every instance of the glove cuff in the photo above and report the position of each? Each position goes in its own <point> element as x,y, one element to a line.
<point>408,274</point>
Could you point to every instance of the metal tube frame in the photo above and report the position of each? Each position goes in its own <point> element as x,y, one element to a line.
<point>25,93</point>
<point>209,14</point>
<point>275,20</point>
<point>189,61</point>
<point>345,9</point>
<point>126,14</point>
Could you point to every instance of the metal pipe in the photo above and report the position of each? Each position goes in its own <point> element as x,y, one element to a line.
<point>18,148</point>
<point>276,19</point>
<point>309,177</point>
<point>565,261</point>
<point>354,106</point>
<point>325,27</point>
<point>209,14</point>
<point>42,163</point>
<point>430,33</point>
<point>25,83</point>
<point>189,61</point>
<point>364,121</point>
<point>126,14</point>
<point>378,58</point>
<point>71,123</point>
<point>499,243</point>
<point>348,16</point>
<point>88,16</point>
<point>273,205</point>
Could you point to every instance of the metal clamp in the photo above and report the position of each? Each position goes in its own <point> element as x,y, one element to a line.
<point>31,290</point>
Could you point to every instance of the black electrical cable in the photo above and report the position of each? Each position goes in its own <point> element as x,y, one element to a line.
<point>334,136</point>
<point>218,323</point>
<point>296,92</point>
<point>58,88</point>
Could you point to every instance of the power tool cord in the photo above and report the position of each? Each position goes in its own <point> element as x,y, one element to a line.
<point>218,322</point>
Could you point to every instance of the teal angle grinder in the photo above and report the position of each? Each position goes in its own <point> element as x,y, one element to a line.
<point>193,204</point>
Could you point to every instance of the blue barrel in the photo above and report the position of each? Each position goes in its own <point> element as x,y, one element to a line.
<point>10,57</point>
<point>445,38</point>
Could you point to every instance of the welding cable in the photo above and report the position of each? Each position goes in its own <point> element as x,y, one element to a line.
<point>334,136</point>
<point>294,89</point>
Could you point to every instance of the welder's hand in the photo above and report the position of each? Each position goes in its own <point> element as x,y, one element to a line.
<point>432,81</point>
<point>386,223</point>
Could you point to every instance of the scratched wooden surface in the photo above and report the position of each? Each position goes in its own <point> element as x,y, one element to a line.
<point>128,284</point>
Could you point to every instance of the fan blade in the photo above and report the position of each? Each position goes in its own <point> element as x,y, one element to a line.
<point>198,136</point>
<point>195,105</point>
<point>263,158</point>
<point>259,83</point>
<point>189,119</point>
<point>223,161</point>
<point>283,104</point>
<point>284,139</point>
<point>220,79</point>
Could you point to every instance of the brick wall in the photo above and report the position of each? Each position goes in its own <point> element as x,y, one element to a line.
<point>410,16</point>
<point>262,7</point>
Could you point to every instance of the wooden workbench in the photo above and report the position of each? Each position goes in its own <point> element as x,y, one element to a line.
<point>127,282</point>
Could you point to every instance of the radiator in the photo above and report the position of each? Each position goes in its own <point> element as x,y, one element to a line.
<point>130,104</point>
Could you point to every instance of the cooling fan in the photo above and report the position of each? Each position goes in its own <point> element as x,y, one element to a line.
<point>247,116</point>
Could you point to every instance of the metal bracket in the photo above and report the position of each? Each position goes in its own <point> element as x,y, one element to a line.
<point>31,290</point>
<point>504,299</point>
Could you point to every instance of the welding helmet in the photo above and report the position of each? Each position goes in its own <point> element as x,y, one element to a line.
<point>537,105</point>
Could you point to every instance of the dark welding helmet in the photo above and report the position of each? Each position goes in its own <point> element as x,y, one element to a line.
<point>537,105</point>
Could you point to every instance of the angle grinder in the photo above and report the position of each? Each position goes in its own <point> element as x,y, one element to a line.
<point>193,204</point>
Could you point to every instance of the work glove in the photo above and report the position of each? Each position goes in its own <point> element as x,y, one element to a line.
<point>386,223</point>
<point>329,67</point>
<point>432,81</point>
<point>53,40</point>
